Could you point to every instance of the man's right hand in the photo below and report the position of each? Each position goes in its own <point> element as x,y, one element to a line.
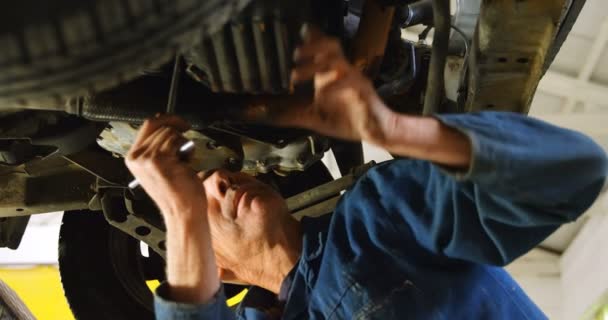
<point>179,194</point>
<point>155,161</point>
<point>345,102</point>
<point>346,106</point>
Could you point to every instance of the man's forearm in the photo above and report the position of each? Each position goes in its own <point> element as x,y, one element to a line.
<point>527,178</point>
<point>191,268</point>
<point>426,138</point>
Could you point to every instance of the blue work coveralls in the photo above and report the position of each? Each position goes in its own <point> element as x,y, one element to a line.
<point>413,240</point>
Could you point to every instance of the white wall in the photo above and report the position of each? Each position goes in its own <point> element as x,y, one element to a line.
<point>39,243</point>
<point>566,286</point>
<point>538,273</point>
<point>585,265</point>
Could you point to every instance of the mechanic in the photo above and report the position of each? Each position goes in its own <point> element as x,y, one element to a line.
<point>417,238</point>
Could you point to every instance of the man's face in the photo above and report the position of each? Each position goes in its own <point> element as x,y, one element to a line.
<point>246,217</point>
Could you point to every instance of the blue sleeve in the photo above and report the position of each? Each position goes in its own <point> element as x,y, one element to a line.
<point>526,179</point>
<point>216,309</point>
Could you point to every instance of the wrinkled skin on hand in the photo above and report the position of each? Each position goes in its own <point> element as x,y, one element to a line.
<point>153,159</point>
<point>231,226</point>
<point>345,103</point>
<point>253,237</point>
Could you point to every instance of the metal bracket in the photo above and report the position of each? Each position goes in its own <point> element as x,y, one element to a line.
<point>67,189</point>
<point>324,198</point>
<point>312,203</point>
<point>11,231</point>
<point>117,215</point>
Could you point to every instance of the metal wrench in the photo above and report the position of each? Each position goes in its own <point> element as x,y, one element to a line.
<point>171,101</point>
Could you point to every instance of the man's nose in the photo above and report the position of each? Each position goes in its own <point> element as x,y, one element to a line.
<point>221,181</point>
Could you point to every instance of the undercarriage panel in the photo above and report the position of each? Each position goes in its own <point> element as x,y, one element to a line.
<point>509,50</point>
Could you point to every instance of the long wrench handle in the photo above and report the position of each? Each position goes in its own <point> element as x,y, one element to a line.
<point>171,102</point>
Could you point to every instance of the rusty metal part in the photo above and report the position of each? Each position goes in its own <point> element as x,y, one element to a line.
<point>435,90</point>
<point>453,75</point>
<point>141,99</point>
<point>253,52</point>
<point>250,156</point>
<point>171,101</point>
<point>70,188</point>
<point>101,164</point>
<point>295,156</point>
<point>118,216</point>
<point>29,135</point>
<point>372,36</point>
<point>509,50</point>
<point>319,209</point>
<point>174,87</point>
<point>312,203</point>
<point>11,231</point>
<point>208,154</point>
<point>326,191</point>
<point>171,104</point>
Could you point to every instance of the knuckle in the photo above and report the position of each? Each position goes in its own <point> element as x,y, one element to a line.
<point>132,155</point>
<point>156,156</point>
<point>172,140</point>
<point>172,132</point>
<point>146,125</point>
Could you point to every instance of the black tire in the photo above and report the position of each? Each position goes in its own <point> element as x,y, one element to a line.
<point>54,49</point>
<point>100,269</point>
<point>564,30</point>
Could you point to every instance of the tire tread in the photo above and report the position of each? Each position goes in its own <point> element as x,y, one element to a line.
<point>97,45</point>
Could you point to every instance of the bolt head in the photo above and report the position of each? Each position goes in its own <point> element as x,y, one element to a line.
<point>212,145</point>
<point>301,160</point>
<point>261,163</point>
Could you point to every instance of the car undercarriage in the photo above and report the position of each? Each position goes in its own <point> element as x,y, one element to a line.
<point>77,79</point>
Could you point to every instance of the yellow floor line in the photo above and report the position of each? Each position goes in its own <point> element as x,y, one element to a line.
<point>40,288</point>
